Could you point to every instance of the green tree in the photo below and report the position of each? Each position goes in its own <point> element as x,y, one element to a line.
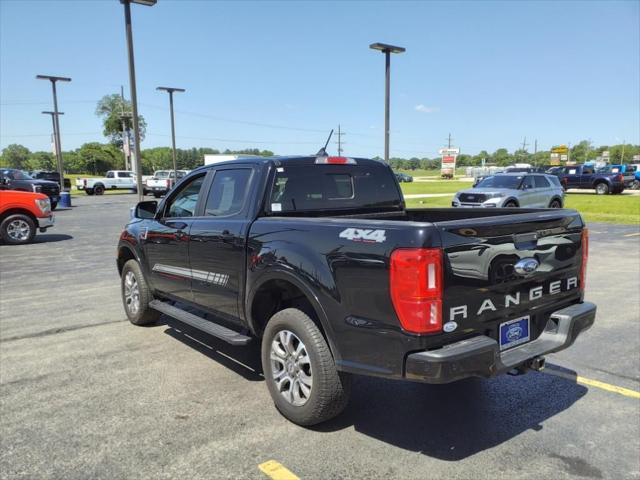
<point>501,157</point>
<point>97,158</point>
<point>109,108</point>
<point>41,161</point>
<point>15,156</point>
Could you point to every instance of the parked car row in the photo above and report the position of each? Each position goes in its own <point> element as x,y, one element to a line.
<point>14,179</point>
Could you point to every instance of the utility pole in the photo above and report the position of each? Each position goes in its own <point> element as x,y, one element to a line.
<point>55,137</point>
<point>387,50</point>
<point>339,141</point>
<point>623,142</point>
<point>535,151</point>
<point>56,122</point>
<point>524,144</point>
<point>124,116</point>
<point>449,141</point>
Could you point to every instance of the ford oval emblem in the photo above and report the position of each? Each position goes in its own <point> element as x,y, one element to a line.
<point>526,266</point>
<point>449,327</point>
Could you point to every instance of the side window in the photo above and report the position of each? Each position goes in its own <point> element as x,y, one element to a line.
<point>587,171</point>
<point>125,174</point>
<point>541,182</point>
<point>528,183</point>
<point>228,192</point>
<point>109,175</point>
<point>184,203</point>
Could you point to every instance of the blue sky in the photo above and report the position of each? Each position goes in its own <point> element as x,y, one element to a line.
<point>280,75</point>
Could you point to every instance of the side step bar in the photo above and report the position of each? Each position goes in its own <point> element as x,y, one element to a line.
<point>223,333</point>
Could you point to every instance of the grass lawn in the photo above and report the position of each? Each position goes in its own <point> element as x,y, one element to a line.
<point>624,209</point>
<point>436,186</point>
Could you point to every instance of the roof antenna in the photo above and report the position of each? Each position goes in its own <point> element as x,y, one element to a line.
<point>323,151</point>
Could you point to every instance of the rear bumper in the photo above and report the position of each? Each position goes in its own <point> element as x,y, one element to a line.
<point>481,357</point>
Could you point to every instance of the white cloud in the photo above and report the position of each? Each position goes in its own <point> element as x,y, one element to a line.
<point>424,109</point>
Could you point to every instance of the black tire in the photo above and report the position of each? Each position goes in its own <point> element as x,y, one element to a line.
<point>602,188</point>
<point>635,185</point>
<point>89,191</point>
<point>157,195</point>
<point>330,389</point>
<point>511,204</point>
<point>143,315</point>
<point>54,205</point>
<point>555,203</point>
<point>18,229</point>
<point>98,189</point>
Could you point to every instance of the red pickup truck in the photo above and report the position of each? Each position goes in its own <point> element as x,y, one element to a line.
<point>21,213</point>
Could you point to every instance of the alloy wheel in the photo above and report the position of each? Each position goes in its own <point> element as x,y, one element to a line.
<point>291,368</point>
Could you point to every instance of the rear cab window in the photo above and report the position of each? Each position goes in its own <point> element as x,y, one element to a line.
<point>331,187</point>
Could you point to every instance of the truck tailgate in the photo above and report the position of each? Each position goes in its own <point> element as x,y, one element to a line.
<point>485,286</point>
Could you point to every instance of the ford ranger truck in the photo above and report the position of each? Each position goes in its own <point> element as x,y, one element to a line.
<point>318,260</point>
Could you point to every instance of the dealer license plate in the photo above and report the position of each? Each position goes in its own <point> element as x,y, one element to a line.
<point>514,332</point>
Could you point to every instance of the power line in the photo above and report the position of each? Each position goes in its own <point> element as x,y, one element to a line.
<point>339,140</point>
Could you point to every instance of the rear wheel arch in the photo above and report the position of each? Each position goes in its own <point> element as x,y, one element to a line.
<point>277,291</point>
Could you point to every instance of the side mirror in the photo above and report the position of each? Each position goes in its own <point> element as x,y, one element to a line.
<point>145,209</point>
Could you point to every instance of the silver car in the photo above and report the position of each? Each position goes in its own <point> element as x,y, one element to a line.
<point>531,190</point>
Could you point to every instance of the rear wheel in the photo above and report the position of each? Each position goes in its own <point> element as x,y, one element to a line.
<point>89,191</point>
<point>300,371</point>
<point>98,189</point>
<point>18,229</point>
<point>555,203</point>
<point>157,195</point>
<point>602,188</point>
<point>136,295</point>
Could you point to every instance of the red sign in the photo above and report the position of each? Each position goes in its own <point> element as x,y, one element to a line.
<point>448,159</point>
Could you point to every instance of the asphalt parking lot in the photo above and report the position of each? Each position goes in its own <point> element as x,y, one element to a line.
<point>84,394</point>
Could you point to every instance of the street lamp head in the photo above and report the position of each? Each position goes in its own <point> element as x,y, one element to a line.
<point>170,89</point>
<point>53,78</point>
<point>147,3</point>
<point>385,48</point>
<point>53,113</point>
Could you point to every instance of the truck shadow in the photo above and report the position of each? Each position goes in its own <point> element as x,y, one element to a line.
<point>454,421</point>
<point>244,361</point>
<point>449,422</point>
<point>51,237</point>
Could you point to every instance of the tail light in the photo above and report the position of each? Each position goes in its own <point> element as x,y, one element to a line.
<point>619,178</point>
<point>416,288</point>
<point>84,182</point>
<point>585,257</point>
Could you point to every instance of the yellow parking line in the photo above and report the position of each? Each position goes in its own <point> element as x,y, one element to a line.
<point>277,471</point>
<point>632,234</point>
<point>627,392</point>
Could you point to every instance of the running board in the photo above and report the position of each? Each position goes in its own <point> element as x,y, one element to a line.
<point>207,326</point>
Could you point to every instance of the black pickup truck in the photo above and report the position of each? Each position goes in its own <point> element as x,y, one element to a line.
<point>319,260</point>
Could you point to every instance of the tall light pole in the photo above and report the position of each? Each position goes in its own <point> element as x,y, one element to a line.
<point>55,138</point>
<point>170,91</point>
<point>132,82</point>
<point>56,122</point>
<point>387,50</point>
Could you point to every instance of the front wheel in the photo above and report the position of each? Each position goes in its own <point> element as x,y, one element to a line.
<point>555,204</point>
<point>511,204</point>
<point>300,371</point>
<point>54,205</point>
<point>18,229</point>
<point>136,295</point>
<point>635,185</point>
